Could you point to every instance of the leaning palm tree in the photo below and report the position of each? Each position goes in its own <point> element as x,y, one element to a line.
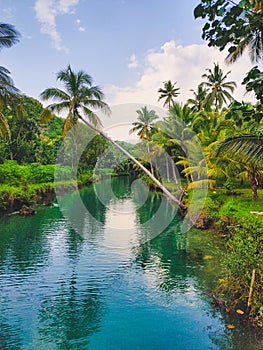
<point>218,88</point>
<point>168,92</point>
<point>144,126</point>
<point>79,99</point>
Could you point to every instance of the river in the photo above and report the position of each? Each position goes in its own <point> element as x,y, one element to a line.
<point>108,289</point>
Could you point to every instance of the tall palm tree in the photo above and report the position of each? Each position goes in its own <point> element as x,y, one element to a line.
<point>168,92</point>
<point>79,99</point>
<point>218,87</point>
<point>145,123</point>
<point>144,126</point>
<point>79,96</point>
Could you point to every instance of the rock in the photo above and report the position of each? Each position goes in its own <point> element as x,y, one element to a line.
<point>201,221</point>
<point>26,211</point>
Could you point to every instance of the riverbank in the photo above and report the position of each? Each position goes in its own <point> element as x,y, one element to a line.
<point>27,185</point>
<point>232,217</point>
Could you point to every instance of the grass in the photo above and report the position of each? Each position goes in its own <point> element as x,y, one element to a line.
<point>238,206</point>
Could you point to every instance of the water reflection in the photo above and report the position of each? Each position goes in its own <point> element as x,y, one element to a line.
<point>71,316</point>
<point>105,289</point>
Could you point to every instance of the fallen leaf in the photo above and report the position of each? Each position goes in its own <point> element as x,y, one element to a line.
<point>207,257</point>
<point>240,312</point>
<point>230,326</point>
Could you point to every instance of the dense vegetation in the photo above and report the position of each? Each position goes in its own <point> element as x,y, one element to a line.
<point>229,131</point>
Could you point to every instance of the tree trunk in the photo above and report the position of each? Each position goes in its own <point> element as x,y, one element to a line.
<point>167,169</point>
<point>174,174</point>
<point>187,177</point>
<point>146,171</point>
<point>150,161</point>
<point>253,183</point>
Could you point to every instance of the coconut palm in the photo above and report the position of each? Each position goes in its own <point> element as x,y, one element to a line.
<point>218,87</point>
<point>8,92</point>
<point>145,123</point>
<point>80,99</point>
<point>79,96</point>
<point>168,92</point>
<point>144,127</point>
<point>199,102</point>
<point>8,35</point>
<point>248,147</point>
<point>247,150</point>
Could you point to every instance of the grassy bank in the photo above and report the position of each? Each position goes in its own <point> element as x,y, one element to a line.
<point>29,184</point>
<point>241,286</point>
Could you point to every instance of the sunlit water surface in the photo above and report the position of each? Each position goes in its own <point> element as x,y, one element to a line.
<point>107,290</point>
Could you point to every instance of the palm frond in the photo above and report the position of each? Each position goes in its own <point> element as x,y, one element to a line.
<point>246,148</point>
<point>4,128</point>
<point>54,94</point>
<point>8,35</point>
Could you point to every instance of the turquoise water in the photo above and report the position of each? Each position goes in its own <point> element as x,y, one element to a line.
<point>107,289</point>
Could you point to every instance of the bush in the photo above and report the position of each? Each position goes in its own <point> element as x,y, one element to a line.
<point>244,253</point>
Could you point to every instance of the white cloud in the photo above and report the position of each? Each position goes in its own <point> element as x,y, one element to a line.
<point>133,62</point>
<point>7,13</point>
<point>46,13</point>
<point>66,6</point>
<point>184,64</point>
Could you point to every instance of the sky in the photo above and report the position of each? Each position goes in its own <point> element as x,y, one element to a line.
<point>129,47</point>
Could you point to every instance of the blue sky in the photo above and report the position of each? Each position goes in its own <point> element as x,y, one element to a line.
<point>129,47</point>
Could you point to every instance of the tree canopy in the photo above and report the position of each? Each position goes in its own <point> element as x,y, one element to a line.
<point>235,25</point>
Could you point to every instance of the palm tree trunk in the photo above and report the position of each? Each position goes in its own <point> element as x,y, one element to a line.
<point>150,161</point>
<point>146,171</point>
<point>167,169</point>
<point>174,174</point>
<point>253,184</point>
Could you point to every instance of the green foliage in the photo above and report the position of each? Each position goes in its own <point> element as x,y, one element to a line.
<point>254,82</point>
<point>233,25</point>
<point>16,175</point>
<point>244,114</point>
<point>244,253</point>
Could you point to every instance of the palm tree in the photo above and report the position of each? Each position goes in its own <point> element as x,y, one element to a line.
<point>8,92</point>
<point>8,35</point>
<point>218,86</point>
<point>169,92</point>
<point>144,126</point>
<point>199,102</point>
<point>145,123</point>
<point>79,99</point>
<point>248,150</point>
<point>80,96</point>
